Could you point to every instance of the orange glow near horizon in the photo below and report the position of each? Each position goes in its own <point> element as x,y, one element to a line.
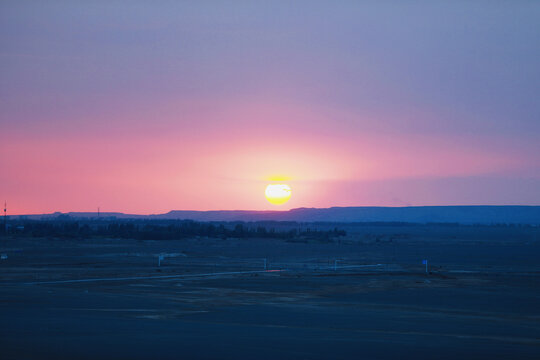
<point>156,174</point>
<point>140,171</point>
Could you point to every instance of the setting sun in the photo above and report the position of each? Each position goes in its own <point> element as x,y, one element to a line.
<point>278,194</point>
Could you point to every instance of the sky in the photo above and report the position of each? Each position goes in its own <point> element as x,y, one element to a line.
<point>145,107</point>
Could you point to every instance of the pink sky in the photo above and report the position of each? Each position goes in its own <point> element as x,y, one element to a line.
<point>149,109</point>
<point>202,167</point>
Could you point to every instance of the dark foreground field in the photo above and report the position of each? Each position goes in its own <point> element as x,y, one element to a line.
<point>212,298</point>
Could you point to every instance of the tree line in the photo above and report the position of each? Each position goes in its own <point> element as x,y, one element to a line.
<point>168,230</point>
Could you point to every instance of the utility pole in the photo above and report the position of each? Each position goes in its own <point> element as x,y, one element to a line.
<point>5,216</point>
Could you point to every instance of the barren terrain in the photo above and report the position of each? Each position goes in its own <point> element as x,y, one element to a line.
<point>362,296</point>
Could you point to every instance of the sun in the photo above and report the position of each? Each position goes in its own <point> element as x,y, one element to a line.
<point>277,194</point>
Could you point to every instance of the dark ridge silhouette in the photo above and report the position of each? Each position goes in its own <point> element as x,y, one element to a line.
<point>412,214</point>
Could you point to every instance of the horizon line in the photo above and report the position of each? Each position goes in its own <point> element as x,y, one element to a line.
<point>273,211</point>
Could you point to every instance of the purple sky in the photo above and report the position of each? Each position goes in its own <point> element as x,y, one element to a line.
<point>145,107</point>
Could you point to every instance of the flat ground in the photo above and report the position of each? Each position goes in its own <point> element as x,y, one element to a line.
<point>212,298</point>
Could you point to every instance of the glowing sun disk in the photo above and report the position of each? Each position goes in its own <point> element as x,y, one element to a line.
<point>277,194</point>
